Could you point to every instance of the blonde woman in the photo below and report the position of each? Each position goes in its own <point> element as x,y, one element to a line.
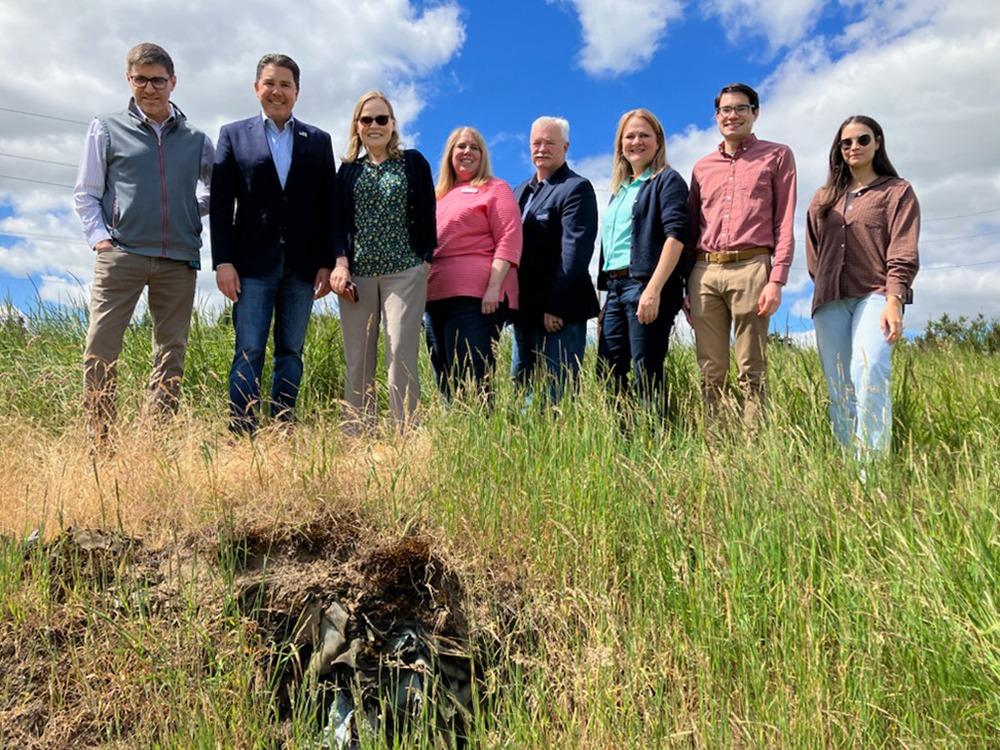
<point>381,271</point>
<point>642,237</point>
<point>470,289</point>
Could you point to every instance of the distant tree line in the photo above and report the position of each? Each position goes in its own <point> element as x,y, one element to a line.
<point>976,334</point>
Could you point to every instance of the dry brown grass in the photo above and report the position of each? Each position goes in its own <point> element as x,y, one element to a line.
<point>190,475</point>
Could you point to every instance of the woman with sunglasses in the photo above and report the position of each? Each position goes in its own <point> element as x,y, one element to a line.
<point>470,289</point>
<point>390,235</point>
<point>642,237</point>
<point>862,230</point>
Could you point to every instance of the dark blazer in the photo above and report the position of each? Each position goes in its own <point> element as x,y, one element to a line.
<point>254,221</point>
<point>421,205</point>
<point>660,211</point>
<point>559,232</point>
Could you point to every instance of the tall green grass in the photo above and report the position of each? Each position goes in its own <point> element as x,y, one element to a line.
<point>636,583</point>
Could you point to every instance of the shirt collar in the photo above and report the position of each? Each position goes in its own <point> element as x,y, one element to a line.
<point>137,110</point>
<point>644,177</point>
<point>744,145</point>
<point>269,123</point>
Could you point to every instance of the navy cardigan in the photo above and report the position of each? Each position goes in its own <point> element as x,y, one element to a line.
<point>660,211</point>
<point>421,205</point>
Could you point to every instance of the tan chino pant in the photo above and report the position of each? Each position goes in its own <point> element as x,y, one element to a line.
<point>119,280</point>
<point>724,296</point>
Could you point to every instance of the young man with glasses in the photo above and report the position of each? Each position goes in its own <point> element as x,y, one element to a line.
<point>273,217</point>
<point>742,203</point>
<point>141,190</point>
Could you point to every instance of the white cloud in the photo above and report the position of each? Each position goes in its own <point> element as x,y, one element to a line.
<point>622,36</point>
<point>782,22</point>
<point>78,71</point>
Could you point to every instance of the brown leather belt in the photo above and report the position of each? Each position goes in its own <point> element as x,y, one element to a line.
<point>618,273</point>
<point>739,255</point>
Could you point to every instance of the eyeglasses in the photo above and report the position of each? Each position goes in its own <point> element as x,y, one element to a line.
<point>847,143</point>
<point>140,82</point>
<point>740,109</point>
<point>380,119</point>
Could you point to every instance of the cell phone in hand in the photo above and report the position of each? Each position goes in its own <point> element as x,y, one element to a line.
<point>351,291</point>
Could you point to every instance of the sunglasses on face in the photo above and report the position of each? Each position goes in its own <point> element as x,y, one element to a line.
<point>847,143</point>
<point>367,120</point>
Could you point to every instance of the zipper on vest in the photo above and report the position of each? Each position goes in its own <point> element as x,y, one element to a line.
<point>163,192</point>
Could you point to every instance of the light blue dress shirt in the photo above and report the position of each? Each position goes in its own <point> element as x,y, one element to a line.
<point>280,143</point>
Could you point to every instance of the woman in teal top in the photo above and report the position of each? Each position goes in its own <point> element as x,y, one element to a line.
<point>381,271</point>
<point>642,237</point>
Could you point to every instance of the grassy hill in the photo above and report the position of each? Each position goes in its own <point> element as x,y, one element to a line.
<point>609,580</point>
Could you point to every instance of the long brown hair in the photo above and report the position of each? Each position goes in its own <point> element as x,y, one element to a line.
<point>622,170</point>
<point>446,177</point>
<point>393,150</point>
<point>839,177</point>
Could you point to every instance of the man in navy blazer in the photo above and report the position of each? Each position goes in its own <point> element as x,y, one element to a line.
<point>273,226</point>
<point>557,295</point>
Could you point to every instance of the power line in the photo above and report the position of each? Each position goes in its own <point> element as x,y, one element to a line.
<point>35,158</point>
<point>44,117</point>
<point>956,239</point>
<point>962,265</point>
<point>29,179</point>
<point>46,237</point>
<point>961,216</point>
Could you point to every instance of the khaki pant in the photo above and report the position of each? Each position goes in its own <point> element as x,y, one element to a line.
<point>398,300</point>
<point>119,279</point>
<point>724,296</point>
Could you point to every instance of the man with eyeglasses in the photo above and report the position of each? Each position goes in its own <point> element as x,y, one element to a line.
<point>742,202</point>
<point>141,190</point>
<point>273,217</point>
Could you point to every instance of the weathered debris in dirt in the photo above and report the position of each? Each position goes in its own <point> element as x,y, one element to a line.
<point>386,681</point>
<point>359,633</point>
<point>379,640</point>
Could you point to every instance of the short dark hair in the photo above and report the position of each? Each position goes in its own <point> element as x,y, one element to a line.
<point>148,53</point>
<point>739,88</point>
<point>282,61</point>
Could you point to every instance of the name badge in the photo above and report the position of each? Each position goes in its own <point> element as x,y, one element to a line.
<point>470,190</point>
<point>542,217</point>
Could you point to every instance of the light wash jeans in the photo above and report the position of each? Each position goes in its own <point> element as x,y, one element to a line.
<point>857,365</point>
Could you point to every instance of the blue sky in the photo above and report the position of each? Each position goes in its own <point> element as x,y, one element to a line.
<point>924,68</point>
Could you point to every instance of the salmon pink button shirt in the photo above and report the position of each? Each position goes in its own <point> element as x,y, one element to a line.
<point>475,225</point>
<point>746,200</point>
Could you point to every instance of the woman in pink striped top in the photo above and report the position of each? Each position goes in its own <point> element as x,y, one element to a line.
<point>470,289</point>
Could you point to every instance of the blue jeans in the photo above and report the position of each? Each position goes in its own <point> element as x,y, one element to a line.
<point>626,345</point>
<point>857,366</point>
<point>560,353</point>
<point>290,300</point>
<point>461,340</point>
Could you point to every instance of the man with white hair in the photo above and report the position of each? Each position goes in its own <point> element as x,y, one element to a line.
<point>557,295</point>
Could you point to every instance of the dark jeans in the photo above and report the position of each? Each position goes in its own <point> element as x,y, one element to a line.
<point>560,353</point>
<point>290,301</point>
<point>461,340</point>
<point>626,345</point>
